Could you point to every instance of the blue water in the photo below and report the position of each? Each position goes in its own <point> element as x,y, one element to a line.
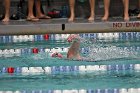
<point>121,51</point>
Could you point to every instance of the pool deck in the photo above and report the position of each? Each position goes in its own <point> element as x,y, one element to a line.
<point>60,26</point>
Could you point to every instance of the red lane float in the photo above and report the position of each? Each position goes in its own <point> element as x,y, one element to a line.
<point>35,50</point>
<point>10,70</point>
<point>46,37</point>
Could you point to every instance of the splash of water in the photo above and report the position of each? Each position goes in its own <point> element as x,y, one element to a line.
<point>110,52</point>
<point>100,52</point>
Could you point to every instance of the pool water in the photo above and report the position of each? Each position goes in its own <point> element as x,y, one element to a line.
<point>124,49</point>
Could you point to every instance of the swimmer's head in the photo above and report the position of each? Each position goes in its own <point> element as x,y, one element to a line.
<point>58,55</point>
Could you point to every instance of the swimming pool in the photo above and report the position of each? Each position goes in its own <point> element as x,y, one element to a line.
<point>26,65</point>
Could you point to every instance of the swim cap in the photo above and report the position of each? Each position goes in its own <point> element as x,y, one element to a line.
<point>57,55</point>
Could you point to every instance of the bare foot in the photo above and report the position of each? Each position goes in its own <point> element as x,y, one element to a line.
<point>138,16</point>
<point>91,18</point>
<point>33,19</point>
<point>5,19</point>
<point>126,18</point>
<point>71,19</point>
<point>43,17</point>
<point>105,18</point>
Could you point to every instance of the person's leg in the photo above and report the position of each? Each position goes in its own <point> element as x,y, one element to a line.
<point>138,4</point>
<point>72,14</point>
<point>31,16</point>
<point>139,8</point>
<point>39,12</point>
<point>92,9</point>
<point>126,8</point>
<point>106,9</point>
<point>7,10</point>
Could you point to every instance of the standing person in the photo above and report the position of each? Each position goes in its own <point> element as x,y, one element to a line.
<point>106,8</point>
<point>72,10</point>
<point>7,10</point>
<point>39,15</point>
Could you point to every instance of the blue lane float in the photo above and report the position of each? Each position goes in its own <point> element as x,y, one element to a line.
<point>121,90</point>
<point>49,51</point>
<point>69,69</point>
<point>121,67</point>
<point>110,36</point>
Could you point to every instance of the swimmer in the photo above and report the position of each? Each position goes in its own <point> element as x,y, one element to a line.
<point>106,8</point>
<point>73,52</point>
<point>96,52</point>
